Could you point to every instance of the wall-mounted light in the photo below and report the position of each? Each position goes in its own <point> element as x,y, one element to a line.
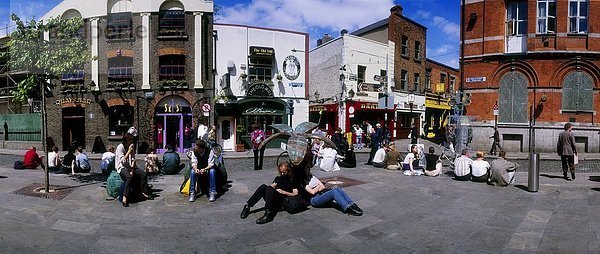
<point>544,98</point>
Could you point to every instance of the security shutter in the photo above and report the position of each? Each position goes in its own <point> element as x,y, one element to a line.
<point>578,92</point>
<point>512,105</point>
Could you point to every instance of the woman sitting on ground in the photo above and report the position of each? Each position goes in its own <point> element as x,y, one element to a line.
<point>392,158</point>
<point>273,194</point>
<point>349,160</point>
<point>480,170</point>
<point>54,160</point>
<point>433,164</point>
<point>151,162</point>
<point>329,158</point>
<point>68,163</point>
<point>134,178</point>
<point>321,196</point>
<point>108,160</point>
<point>410,165</point>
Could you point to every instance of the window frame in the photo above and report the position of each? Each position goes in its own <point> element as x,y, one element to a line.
<point>512,26</point>
<point>361,77</point>
<point>260,64</point>
<point>452,84</point>
<point>417,82</point>
<point>578,17</point>
<point>428,80</point>
<point>115,115</point>
<point>573,93</point>
<point>546,17</point>
<point>403,80</point>
<point>405,46</point>
<point>175,63</point>
<point>417,50</point>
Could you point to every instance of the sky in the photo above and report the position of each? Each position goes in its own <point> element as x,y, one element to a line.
<point>315,17</point>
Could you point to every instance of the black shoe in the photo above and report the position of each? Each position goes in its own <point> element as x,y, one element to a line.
<point>566,177</point>
<point>357,208</point>
<point>573,175</point>
<point>245,212</point>
<point>352,211</point>
<point>368,163</point>
<point>267,217</point>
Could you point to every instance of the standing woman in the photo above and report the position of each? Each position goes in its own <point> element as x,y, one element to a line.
<point>134,178</point>
<point>257,136</point>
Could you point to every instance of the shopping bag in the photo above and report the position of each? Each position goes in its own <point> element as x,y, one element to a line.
<point>185,187</point>
<point>576,159</point>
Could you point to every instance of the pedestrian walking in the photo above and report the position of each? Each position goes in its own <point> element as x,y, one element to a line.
<point>413,134</point>
<point>496,144</point>
<point>257,136</point>
<point>358,132</point>
<point>567,151</point>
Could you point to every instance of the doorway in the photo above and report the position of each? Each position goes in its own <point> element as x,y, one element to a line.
<point>73,127</point>
<point>173,121</point>
<point>226,135</point>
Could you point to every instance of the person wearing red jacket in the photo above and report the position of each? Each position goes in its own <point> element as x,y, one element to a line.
<point>32,160</point>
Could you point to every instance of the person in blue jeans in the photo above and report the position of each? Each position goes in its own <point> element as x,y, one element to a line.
<point>322,197</point>
<point>203,162</point>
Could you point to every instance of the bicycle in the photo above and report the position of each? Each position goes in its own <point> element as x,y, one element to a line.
<point>447,155</point>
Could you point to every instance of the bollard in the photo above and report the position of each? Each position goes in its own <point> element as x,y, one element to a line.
<point>533,174</point>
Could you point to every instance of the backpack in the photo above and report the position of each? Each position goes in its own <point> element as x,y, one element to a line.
<point>19,165</point>
<point>113,184</point>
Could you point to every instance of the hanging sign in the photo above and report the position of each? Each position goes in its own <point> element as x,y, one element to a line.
<point>291,67</point>
<point>262,51</point>
<point>260,90</point>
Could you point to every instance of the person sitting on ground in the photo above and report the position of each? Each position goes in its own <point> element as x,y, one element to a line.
<point>410,165</point>
<point>171,164</point>
<point>82,163</point>
<point>322,196</point>
<point>329,158</point>
<point>349,160</point>
<point>502,171</point>
<point>68,163</point>
<point>480,168</point>
<point>273,194</point>
<point>107,164</point>
<point>433,164</point>
<point>392,158</point>
<point>54,160</point>
<point>202,165</point>
<point>134,178</point>
<point>462,166</point>
<point>151,160</point>
<point>32,160</point>
<point>379,158</point>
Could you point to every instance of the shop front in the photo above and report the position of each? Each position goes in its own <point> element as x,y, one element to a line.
<point>360,113</point>
<point>173,124</point>
<point>326,115</point>
<point>437,111</point>
<point>410,110</point>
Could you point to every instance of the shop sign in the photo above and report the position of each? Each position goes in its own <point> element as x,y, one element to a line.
<point>440,87</point>
<point>291,67</point>
<point>259,111</point>
<point>262,51</point>
<point>296,84</point>
<point>73,100</point>
<point>260,90</point>
<point>316,108</point>
<point>365,105</point>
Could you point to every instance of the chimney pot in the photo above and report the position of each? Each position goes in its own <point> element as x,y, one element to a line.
<point>343,32</point>
<point>397,9</point>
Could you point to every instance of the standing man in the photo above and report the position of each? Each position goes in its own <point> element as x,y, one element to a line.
<point>5,131</point>
<point>567,151</point>
<point>413,134</point>
<point>257,136</point>
<point>374,148</point>
<point>496,144</point>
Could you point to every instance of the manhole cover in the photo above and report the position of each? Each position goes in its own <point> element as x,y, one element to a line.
<point>341,181</point>
<point>57,192</point>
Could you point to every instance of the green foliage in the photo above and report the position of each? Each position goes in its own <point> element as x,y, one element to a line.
<point>64,52</point>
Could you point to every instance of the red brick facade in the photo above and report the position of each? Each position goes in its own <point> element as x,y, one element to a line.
<point>545,63</point>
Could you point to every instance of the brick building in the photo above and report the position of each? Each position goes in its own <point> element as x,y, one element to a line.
<point>153,68</point>
<point>539,61</point>
<point>406,86</point>
<point>440,85</point>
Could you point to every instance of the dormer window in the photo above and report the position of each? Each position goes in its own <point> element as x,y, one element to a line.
<point>171,20</point>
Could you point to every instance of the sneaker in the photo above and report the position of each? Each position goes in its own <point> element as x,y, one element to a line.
<point>211,197</point>
<point>192,197</point>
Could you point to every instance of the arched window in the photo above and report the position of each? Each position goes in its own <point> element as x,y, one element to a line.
<point>578,92</point>
<point>119,23</point>
<point>120,72</point>
<point>512,105</point>
<point>172,20</point>
<point>69,14</point>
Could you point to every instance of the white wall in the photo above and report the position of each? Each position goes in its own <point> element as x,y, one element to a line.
<point>325,62</point>
<point>99,8</point>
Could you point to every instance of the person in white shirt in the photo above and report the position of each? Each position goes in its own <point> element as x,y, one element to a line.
<point>462,166</point>
<point>54,160</point>
<point>328,158</point>
<point>411,164</point>
<point>379,158</point>
<point>107,163</point>
<point>358,132</point>
<point>202,132</point>
<point>480,168</point>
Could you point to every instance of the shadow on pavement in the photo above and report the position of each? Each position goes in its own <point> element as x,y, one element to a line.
<point>522,187</point>
<point>551,176</point>
<point>596,189</point>
<point>89,178</point>
<point>3,177</point>
<point>595,178</point>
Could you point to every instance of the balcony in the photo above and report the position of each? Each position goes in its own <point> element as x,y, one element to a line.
<point>119,86</point>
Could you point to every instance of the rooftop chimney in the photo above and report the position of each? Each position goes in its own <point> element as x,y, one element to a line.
<point>397,9</point>
<point>319,42</point>
<point>326,38</point>
<point>343,32</point>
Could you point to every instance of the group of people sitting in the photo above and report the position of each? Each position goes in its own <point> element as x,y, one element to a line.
<point>75,161</point>
<point>499,172</point>
<point>287,188</point>
<point>329,159</point>
<point>415,163</point>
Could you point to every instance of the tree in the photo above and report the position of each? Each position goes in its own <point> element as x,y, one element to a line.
<point>46,50</point>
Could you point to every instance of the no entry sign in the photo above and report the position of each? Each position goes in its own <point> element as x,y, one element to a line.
<point>205,107</point>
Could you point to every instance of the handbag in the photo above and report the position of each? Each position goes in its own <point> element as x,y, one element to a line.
<point>294,204</point>
<point>113,184</point>
<point>576,159</point>
<point>185,187</point>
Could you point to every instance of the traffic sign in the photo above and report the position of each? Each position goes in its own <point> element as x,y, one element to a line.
<point>205,107</point>
<point>496,109</point>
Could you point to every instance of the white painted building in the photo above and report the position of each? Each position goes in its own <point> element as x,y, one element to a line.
<point>261,72</point>
<point>349,75</point>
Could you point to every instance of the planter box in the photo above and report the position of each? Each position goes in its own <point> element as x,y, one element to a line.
<point>239,147</point>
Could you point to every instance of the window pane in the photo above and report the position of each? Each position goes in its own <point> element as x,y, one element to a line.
<point>541,9</point>
<point>522,11</point>
<point>573,25</point>
<point>551,24</point>
<point>552,9</point>
<point>572,9</point>
<point>510,28</point>
<point>583,9</point>
<point>541,25</point>
<point>522,27</point>
<point>511,11</point>
<point>582,25</point>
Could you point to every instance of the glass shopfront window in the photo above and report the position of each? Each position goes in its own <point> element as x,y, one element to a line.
<point>120,119</point>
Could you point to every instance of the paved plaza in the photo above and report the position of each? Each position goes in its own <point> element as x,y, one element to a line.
<point>402,215</point>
